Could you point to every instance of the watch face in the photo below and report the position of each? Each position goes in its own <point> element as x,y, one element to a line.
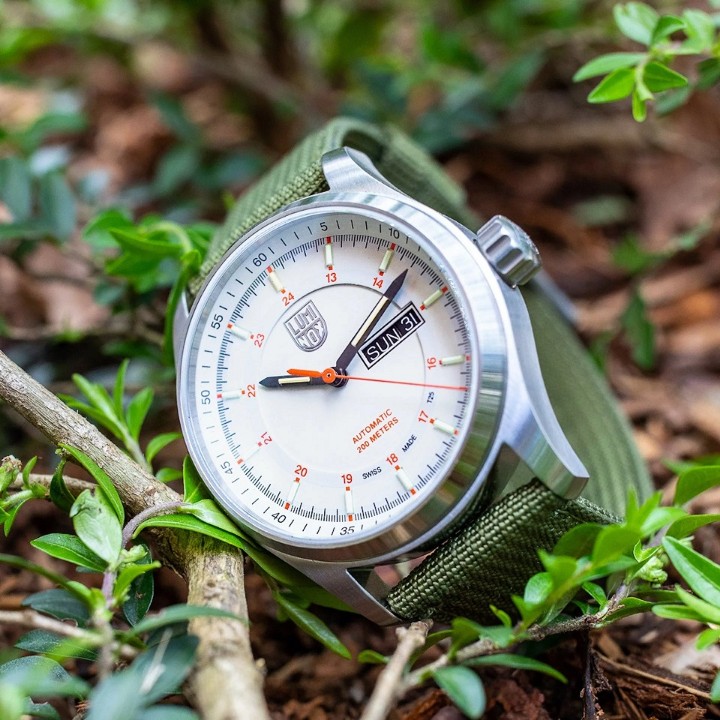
<point>331,377</point>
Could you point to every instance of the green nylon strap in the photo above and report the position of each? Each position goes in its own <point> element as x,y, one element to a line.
<point>492,558</point>
<point>493,555</point>
<point>299,174</point>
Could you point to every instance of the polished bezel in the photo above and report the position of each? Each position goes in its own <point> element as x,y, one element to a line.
<point>476,289</point>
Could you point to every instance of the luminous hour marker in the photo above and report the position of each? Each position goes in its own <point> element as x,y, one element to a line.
<point>387,259</point>
<point>404,479</point>
<point>443,426</point>
<point>348,503</point>
<point>328,253</point>
<point>242,333</point>
<point>243,460</point>
<point>293,492</point>
<point>230,395</point>
<point>430,299</point>
<point>275,281</point>
<point>454,359</point>
<point>293,380</point>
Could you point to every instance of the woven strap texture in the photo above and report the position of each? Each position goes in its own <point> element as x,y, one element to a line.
<point>493,556</point>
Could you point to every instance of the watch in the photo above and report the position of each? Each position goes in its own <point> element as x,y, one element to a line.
<point>364,377</point>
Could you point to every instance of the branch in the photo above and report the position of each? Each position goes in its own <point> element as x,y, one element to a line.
<point>195,558</point>
<point>390,685</point>
<point>35,620</point>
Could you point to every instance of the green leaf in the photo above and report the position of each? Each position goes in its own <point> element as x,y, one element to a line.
<point>176,167</point>
<point>119,388</point>
<point>636,20</point>
<point>560,568</point>
<point>156,673</point>
<point>137,411</point>
<point>715,690</point>
<point>699,572</point>
<point>44,711</point>
<point>97,395</point>
<point>708,612</point>
<point>666,26</point>
<point>372,657</point>
<point>100,476</point>
<point>151,247</point>
<point>71,549</point>
<point>15,188</point>
<point>708,637</point>
<point>166,475</point>
<point>463,687</point>
<point>517,661</point>
<point>57,205</point>
<point>49,643</point>
<point>659,77</point>
<point>159,442</point>
<point>613,541</point>
<point>311,624</point>
<point>80,591</point>
<point>60,604</point>
<point>639,331</point>
<point>209,512</point>
<point>97,526</point>
<point>700,30</point>
<point>140,593</point>
<point>127,575</point>
<point>607,63</point>
<point>639,106</point>
<point>686,526</point>
<point>677,612</point>
<point>193,487</point>
<point>175,614</point>
<point>617,85</point>
<point>13,703</point>
<point>59,493</point>
<point>537,589</point>
<point>41,677</point>
<point>596,592</point>
<point>694,481</point>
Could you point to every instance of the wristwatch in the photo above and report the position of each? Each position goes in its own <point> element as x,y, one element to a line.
<point>361,381</point>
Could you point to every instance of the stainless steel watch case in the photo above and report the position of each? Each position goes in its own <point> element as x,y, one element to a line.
<point>514,437</point>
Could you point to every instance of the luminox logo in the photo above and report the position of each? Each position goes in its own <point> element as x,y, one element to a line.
<point>307,327</point>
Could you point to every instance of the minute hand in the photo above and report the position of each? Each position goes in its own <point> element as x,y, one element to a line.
<point>370,321</point>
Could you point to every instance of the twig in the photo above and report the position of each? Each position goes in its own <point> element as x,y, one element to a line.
<point>185,552</point>
<point>390,684</point>
<point>37,621</point>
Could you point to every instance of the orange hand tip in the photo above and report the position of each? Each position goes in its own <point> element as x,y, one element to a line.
<point>304,373</point>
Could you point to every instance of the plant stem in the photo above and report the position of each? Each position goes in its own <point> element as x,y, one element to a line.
<point>390,686</point>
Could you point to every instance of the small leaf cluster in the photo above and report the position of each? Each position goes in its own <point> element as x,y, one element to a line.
<point>11,501</point>
<point>154,254</point>
<point>198,512</point>
<point>109,623</point>
<point>645,74</point>
<point>635,324</point>
<point>40,202</point>
<point>123,419</point>
<point>595,575</point>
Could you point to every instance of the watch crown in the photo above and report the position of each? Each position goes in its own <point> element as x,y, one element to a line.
<point>509,249</point>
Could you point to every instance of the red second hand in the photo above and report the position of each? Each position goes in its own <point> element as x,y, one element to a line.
<point>329,376</point>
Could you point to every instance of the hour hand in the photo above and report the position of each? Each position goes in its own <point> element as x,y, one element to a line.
<point>283,381</point>
<point>371,321</point>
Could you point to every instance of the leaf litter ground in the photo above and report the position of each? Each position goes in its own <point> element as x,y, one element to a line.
<point>581,181</point>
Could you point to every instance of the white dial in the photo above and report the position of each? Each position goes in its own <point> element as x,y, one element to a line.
<point>329,377</point>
